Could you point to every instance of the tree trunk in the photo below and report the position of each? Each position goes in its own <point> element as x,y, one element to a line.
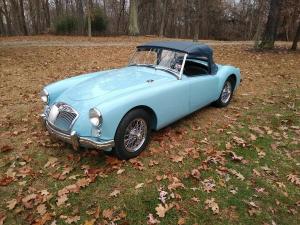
<point>47,14</point>
<point>23,22</point>
<point>58,8</point>
<point>89,18</point>
<point>15,12</point>
<point>196,19</point>
<point>163,18</point>
<point>2,27</point>
<point>296,38</point>
<point>270,33</point>
<point>133,28</point>
<point>7,17</point>
<point>80,16</point>
<point>204,19</point>
<point>104,7</point>
<point>154,17</point>
<point>38,15</point>
<point>259,28</point>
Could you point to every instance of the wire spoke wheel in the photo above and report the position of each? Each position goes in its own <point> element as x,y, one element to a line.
<point>226,92</point>
<point>135,135</point>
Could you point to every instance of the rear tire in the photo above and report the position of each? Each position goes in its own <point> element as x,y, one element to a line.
<point>226,93</point>
<point>133,134</point>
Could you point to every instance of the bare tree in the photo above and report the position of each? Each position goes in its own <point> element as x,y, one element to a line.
<point>133,28</point>
<point>163,18</point>
<point>296,38</point>
<point>270,32</point>
<point>7,17</point>
<point>259,28</point>
<point>88,7</point>
<point>197,17</point>
<point>22,15</point>
<point>80,16</point>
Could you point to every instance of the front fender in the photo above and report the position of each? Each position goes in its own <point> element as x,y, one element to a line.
<point>169,102</point>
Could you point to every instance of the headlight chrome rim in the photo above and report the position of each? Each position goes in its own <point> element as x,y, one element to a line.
<point>45,96</point>
<point>95,117</point>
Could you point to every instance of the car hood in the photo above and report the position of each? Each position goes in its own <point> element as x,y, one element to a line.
<point>117,82</point>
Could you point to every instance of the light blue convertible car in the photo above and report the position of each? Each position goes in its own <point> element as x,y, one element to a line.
<point>116,110</point>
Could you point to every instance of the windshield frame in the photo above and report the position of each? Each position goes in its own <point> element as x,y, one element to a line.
<point>177,74</point>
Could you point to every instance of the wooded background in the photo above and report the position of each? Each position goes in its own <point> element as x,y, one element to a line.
<point>260,20</point>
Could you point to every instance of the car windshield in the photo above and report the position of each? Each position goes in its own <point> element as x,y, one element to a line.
<point>158,58</point>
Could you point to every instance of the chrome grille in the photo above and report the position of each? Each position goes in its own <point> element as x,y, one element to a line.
<point>65,117</point>
<point>47,111</point>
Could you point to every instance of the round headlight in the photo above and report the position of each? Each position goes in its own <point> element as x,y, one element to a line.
<point>95,117</point>
<point>45,96</point>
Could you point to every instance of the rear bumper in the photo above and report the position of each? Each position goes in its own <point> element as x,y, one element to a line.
<point>75,140</point>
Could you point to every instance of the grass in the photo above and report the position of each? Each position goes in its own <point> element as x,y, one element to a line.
<point>207,132</point>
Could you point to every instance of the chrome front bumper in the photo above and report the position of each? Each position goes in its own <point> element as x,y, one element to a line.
<point>76,140</point>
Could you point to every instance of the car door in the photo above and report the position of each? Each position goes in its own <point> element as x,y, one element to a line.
<point>202,90</point>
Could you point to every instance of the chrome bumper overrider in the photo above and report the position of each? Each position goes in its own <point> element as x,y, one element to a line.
<point>76,140</point>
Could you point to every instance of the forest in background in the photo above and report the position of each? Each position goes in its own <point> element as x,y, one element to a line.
<point>260,20</point>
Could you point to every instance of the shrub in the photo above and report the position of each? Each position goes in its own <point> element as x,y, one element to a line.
<point>98,21</point>
<point>66,25</point>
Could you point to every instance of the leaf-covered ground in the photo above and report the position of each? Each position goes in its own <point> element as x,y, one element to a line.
<point>236,165</point>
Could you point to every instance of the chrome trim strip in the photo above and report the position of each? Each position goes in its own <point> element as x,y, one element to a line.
<point>182,66</point>
<point>76,140</point>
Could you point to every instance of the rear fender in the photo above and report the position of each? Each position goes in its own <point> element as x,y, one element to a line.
<point>224,73</point>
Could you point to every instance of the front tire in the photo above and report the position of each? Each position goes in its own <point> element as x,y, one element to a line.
<point>226,94</point>
<point>133,134</point>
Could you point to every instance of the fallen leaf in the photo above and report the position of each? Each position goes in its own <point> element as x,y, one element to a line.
<point>120,171</point>
<point>161,210</point>
<point>51,162</point>
<point>43,220</point>
<point>137,164</point>
<point>61,200</point>
<point>252,137</point>
<point>235,157</point>
<point>115,193</point>
<point>239,141</point>
<point>210,203</point>
<point>6,180</point>
<point>153,163</point>
<point>27,201</point>
<point>228,146</point>
<point>177,158</point>
<point>181,221</point>
<point>108,214</point>
<point>294,179</point>
<point>72,219</point>
<point>208,185</point>
<point>152,220</point>
<point>194,199</point>
<point>11,204</point>
<point>140,185</point>
<point>2,218</point>
<point>196,173</point>
<point>237,174</point>
<point>41,209</point>
<point>163,196</point>
<point>90,222</point>
<point>83,182</point>
<point>6,148</point>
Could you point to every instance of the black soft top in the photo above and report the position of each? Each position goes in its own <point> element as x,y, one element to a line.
<point>193,49</point>
<point>189,47</point>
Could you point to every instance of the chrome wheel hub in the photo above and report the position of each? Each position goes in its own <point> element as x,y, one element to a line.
<point>135,135</point>
<point>226,92</point>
